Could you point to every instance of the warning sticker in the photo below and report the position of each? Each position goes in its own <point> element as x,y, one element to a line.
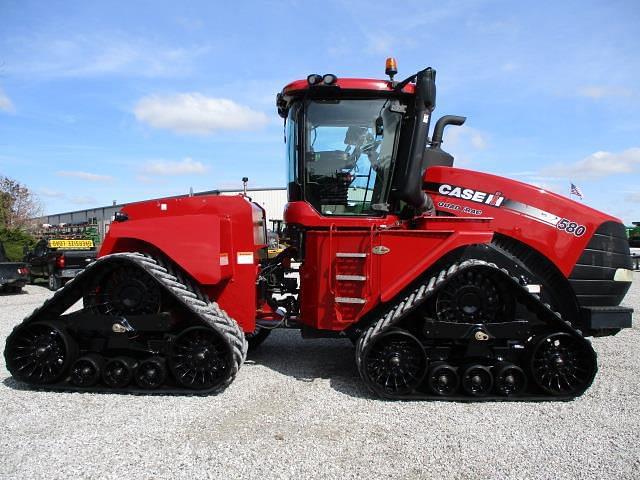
<point>245,258</point>
<point>224,259</point>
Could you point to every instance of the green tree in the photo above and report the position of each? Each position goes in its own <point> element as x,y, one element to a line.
<point>18,204</point>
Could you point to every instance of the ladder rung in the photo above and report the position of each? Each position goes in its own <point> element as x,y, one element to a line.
<point>350,300</point>
<point>351,278</point>
<point>351,255</point>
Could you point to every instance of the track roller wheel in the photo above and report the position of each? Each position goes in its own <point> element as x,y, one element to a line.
<point>395,363</point>
<point>151,373</point>
<point>118,372</point>
<point>563,365</point>
<point>40,353</point>
<point>509,379</point>
<point>477,380</point>
<point>87,370</point>
<point>443,379</point>
<point>200,358</point>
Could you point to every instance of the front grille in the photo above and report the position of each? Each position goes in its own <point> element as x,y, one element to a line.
<point>592,277</point>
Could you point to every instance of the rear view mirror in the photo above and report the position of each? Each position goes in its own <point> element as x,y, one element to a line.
<point>426,87</point>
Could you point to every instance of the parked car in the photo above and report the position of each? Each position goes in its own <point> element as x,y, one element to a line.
<point>13,275</point>
<point>59,260</point>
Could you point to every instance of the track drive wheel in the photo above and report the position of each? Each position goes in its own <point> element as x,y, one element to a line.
<point>475,296</point>
<point>124,290</point>
<point>200,358</point>
<point>562,364</point>
<point>394,364</point>
<point>40,353</point>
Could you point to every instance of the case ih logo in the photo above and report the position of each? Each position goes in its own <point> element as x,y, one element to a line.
<point>478,196</point>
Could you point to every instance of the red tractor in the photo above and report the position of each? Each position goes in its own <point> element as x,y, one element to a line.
<point>451,283</point>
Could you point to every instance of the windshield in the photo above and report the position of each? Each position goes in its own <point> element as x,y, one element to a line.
<point>350,150</point>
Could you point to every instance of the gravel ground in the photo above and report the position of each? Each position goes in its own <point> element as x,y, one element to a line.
<point>298,410</point>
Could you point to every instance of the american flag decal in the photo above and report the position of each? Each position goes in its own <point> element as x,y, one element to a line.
<point>576,191</point>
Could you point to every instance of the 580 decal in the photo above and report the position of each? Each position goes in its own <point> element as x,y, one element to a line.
<point>571,227</point>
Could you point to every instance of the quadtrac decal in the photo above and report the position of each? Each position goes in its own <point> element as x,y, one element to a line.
<point>459,208</point>
<point>497,200</point>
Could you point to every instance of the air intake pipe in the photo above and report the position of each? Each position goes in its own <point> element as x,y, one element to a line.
<point>438,131</point>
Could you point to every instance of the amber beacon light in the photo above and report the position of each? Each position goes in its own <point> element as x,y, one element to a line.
<point>391,67</point>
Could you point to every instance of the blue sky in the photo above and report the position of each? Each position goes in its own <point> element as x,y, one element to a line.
<point>103,101</point>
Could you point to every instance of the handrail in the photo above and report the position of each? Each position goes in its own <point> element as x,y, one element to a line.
<point>331,260</point>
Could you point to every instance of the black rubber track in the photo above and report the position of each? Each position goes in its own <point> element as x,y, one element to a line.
<point>426,290</point>
<point>174,284</point>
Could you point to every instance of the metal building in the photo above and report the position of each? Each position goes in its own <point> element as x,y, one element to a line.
<point>272,200</point>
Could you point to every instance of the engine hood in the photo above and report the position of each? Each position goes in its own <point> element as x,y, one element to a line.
<point>556,226</point>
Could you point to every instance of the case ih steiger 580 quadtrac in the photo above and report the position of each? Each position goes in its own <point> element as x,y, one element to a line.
<point>452,284</point>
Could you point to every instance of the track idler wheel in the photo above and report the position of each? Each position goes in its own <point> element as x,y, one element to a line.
<point>151,373</point>
<point>562,364</point>
<point>509,379</point>
<point>443,379</point>
<point>200,358</point>
<point>40,353</point>
<point>118,372</point>
<point>87,370</point>
<point>477,380</point>
<point>395,363</point>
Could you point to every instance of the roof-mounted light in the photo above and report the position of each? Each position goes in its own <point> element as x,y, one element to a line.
<point>391,67</point>
<point>329,79</point>
<point>314,79</point>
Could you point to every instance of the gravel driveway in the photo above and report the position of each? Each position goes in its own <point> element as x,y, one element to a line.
<point>298,410</point>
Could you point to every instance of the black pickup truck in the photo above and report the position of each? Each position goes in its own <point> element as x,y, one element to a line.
<point>59,260</point>
<point>13,275</point>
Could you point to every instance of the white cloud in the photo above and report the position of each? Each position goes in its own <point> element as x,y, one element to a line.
<point>184,167</point>
<point>633,197</point>
<point>463,136</point>
<point>99,54</point>
<point>598,165</point>
<point>83,200</point>
<point>45,192</point>
<point>600,91</point>
<point>5,102</point>
<point>197,114</point>
<point>90,177</point>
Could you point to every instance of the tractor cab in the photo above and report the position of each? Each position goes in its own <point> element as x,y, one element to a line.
<point>342,152</point>
<point>356,147</point>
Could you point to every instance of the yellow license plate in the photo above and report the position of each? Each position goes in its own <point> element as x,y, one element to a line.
<point>71,244</point>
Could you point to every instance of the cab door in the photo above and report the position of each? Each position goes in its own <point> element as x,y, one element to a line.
<point>38,258</point>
